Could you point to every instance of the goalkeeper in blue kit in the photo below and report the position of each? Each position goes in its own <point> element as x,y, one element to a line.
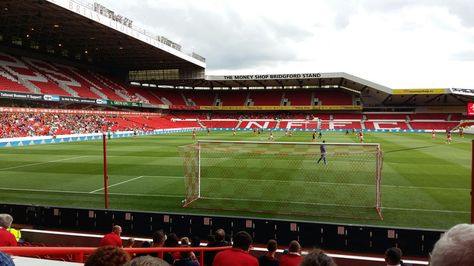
<point>322,149</point>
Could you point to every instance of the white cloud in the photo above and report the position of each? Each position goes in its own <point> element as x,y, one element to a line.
<point>397,43</point>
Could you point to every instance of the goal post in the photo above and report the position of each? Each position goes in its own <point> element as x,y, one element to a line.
<point>284,178</point>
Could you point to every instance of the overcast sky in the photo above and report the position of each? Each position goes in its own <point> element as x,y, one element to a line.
<point>396,43</point>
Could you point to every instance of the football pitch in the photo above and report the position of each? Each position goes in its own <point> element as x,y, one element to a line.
<point>425,182</point>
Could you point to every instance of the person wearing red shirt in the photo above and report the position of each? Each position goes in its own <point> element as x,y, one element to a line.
<point>293,257</point>
<point>239,254</point>
<point>113,238</point>
<point>6,238</point>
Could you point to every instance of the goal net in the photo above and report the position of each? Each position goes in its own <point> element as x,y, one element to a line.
<point>284,178</point>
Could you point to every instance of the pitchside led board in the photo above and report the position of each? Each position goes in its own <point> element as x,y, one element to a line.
<point>470,109</point>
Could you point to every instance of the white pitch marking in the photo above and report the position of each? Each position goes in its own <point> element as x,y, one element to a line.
<point>32,164</point>
<point>116,184</point>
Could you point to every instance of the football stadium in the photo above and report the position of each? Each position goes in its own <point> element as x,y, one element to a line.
<point>104,123</point>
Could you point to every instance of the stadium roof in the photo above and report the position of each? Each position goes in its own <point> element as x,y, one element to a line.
<point>89,31</point>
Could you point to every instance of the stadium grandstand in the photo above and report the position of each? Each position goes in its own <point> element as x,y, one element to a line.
<point>75,73</point>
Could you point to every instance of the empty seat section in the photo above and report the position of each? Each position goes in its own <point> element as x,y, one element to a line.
<point>385,125</point>
<point>219,124</point>
<point>299,97</point>
<point>110,93</point>
<point>347,116</point>
<point>266,98</point>
<point>146,93</point>
<point>433,125</point>
<point>6,84</point>
<point>232,98</point>
<point>205,98</point>
<point>83,90</point>
<point>50,88</point>
<point>386,116</point>
<point>333,98</point>
<point>174,97</point>
<point>419,116</point>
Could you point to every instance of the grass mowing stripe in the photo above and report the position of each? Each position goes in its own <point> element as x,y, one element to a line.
<point>85,192</point>
<point>423,210</point>
<point>33,164</point>
<point>323,183</point>
<point>116,184</point>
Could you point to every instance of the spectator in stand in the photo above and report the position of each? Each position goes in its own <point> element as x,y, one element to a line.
<point>455,247</point>
<point>239,254</point>
<point>159,239</point>
<point>113,238</point>
<point>6,238</point>
<point>172,241</point>
<point>108,256</point>
<point>187,258</point>
<point>393,257</point>
<point>146,261</point>
<point>293,257</point>
<point>317,257</point>
<point>269,258</point>
<point>219,241</point>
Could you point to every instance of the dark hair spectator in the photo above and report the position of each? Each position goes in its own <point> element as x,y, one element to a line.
<point>393,256</point>
<point>293,257</point>
<point>455,247</point>
<point>269,258</point>
<point>317,257</point>
<point>242,240</point>
<point>159,238</point>
<point>216,240</point>
<point>108,256</point>
<point>238,255</point>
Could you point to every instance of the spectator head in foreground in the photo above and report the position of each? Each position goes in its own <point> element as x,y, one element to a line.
<point>294,247</point>
<point>117,229</point>
<point>159,238</point>
<point>317,257</point>
<point>220,235</point>
<point>272,245</point>
<point>108,256</point>
<point>146,261</point>
<point>455,247</point>
<point>6,220</point>
<point>242,240</point>
<point>393,256</point>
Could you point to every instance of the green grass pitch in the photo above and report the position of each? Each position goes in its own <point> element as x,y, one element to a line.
<point>425,182</point>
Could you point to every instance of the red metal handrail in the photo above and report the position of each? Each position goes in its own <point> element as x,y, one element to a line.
<point>78,253</point>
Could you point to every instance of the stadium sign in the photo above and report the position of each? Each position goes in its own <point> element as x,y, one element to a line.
<point>419,91</point>
<point>272,76</point>
<point>23,96</point>
<point>118,103</point>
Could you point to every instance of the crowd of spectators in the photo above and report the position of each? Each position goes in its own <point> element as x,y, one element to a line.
<point>41,124</point>
<point>17,124</point>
